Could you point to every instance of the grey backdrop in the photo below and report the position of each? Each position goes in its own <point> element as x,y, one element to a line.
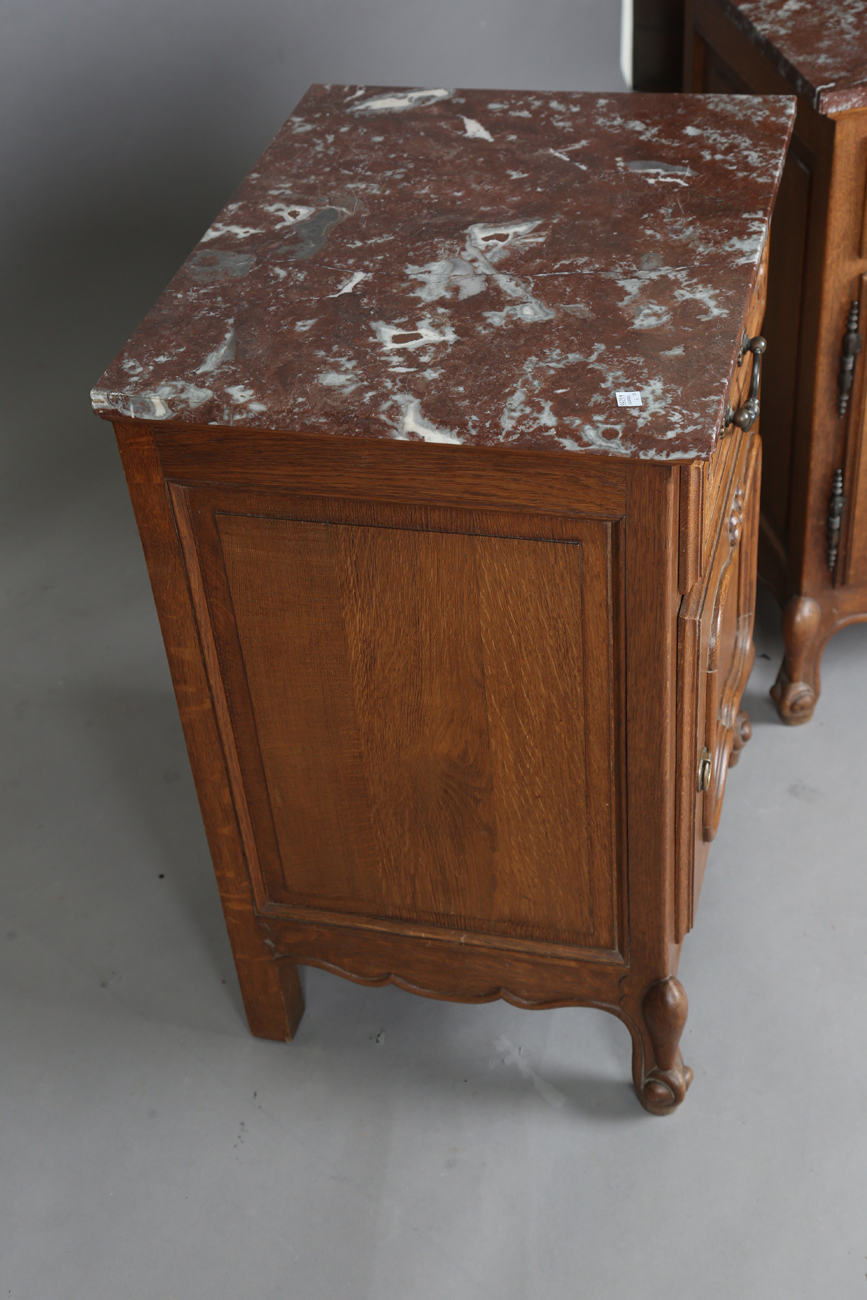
<point>126,127</point>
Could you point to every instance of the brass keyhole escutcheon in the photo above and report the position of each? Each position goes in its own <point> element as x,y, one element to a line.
<point>705,770</point>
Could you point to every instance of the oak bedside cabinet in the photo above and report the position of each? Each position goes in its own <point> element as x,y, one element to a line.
<point>452,537</point>
<point>813,550</point>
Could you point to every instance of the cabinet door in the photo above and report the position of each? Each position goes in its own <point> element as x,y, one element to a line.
<point>715,656</point>
<point>422,703</point>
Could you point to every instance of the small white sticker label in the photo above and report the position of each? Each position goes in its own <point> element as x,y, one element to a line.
<point>628,399</point>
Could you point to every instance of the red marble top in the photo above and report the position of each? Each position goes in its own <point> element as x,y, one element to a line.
<point>820,46</point>
<point>478,267</point>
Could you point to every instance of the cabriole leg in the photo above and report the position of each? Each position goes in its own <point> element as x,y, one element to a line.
<point>661,1078</point>
<point>796,689</point>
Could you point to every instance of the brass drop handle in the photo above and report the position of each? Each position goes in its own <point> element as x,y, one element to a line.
<point>745,416</point>
<point>705,769</point>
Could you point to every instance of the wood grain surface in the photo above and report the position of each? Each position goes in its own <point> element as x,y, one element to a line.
<point>431,711</point>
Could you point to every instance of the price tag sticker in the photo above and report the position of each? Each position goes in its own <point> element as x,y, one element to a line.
<point>628,399</point>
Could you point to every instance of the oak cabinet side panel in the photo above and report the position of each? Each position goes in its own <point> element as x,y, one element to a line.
<point>425,709</point>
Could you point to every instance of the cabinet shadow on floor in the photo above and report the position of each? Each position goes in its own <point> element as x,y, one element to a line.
<point>130,736</point>
<point>131,739</point>
<point>492,1053</point>
<point>768,641</point>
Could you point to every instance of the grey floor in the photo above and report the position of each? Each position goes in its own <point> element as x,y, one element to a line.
<point>150,1149</point>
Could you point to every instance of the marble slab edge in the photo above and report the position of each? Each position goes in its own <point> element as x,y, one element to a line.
<point>826,99</point>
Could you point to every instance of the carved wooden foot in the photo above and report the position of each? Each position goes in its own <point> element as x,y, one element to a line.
<point>796,689</point>
<point>293,997</point>
<point>271,989</point>
<point>272,997</point>
<point>665,1079</point>
<point>742,731</point>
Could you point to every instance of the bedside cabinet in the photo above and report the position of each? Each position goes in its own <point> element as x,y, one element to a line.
<point>813,550</point>
<point>442,446</point>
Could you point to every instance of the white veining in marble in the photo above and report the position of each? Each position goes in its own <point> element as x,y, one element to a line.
<point>483,269</point>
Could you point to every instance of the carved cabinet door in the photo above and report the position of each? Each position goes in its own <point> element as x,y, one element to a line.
<point>730,649</point>
<point>716,655</point>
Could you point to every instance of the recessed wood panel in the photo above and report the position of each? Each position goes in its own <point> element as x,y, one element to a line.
<point>432,711</point>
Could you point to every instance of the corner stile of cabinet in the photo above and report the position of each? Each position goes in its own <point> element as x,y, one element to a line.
<point>270,1012</point>
<point>652,605</point>
<point>690,529</point>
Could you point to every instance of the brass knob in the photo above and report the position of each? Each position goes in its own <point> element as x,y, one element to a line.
<point>705,770</point>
